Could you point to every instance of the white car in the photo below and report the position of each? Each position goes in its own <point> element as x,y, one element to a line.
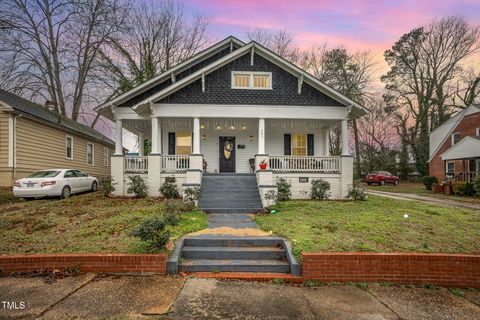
<point>54,183</point>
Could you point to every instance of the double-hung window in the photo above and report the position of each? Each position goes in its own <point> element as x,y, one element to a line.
<point>105,156</point>
<point>455,137</point>
<point>299,144</point>
<point>90,153</point>
<point>251,80</point>
<point>450,168</point>
<point>184,142</point>
<point>69,147</point>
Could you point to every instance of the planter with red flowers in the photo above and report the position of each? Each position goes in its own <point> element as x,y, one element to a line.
<point>263,164</point>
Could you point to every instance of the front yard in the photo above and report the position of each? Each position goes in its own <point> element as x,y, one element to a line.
<point>82,223</point>
<point>377,225</point>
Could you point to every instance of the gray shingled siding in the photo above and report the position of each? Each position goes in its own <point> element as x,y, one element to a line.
<point>179,76</point>
<point>218,88</point>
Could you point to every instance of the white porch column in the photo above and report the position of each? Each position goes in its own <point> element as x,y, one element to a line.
<point>141,145</point>
<point>261,136</point>
<point>196,136</point>
<point>326,143</point>
<point>156,136</point>
<point>345,138</point>
<point>118,138</point>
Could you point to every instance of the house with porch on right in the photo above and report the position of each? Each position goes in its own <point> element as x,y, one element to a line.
<point>455,147</point>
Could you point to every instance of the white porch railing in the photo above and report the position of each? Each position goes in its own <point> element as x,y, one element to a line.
<point>175,163</point>
<point>136,164</point>
<point>305,164</point>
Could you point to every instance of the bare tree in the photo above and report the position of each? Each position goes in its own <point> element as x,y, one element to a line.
<point>48,47</point>
<point>281,42</point>
<point>423,63</point>
<point>157,38</point>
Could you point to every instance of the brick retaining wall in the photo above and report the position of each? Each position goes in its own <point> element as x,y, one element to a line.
<point>449,270</point>
<point>87,262</point>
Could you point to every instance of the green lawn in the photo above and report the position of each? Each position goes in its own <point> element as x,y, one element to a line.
<point>83,223</point>
<point>376,225</point>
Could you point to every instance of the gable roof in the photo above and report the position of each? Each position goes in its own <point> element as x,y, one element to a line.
<point>468,147</point>
<point>20,105</point>
<point>443,132</point>
<point>167,73</point>
<point>269,55</point>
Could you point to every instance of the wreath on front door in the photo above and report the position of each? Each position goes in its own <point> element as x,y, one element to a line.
<point>227,149</point>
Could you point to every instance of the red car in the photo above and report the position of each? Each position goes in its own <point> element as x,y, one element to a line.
<point>382,177</point>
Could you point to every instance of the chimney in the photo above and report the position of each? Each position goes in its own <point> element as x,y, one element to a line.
<point>50,105</point>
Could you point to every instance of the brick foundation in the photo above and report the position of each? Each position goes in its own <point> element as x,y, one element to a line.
<point>86,262</point>
<point>448,270</point>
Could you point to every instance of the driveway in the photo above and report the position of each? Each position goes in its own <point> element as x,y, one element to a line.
<point>426,199</point>
<point>131,297</point>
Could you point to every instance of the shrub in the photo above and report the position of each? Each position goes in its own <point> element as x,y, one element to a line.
<point>320,189</point>
<point>357,193</point>
<point>137,186</point>
<point>153,231</point>
<point>107,186</point>
<point>171,211</point>
<point>428,181</point>
<point>476,185</point>
<point>283,189</point>
<point>463,189</point>
<point>169,188</point>
<point>271,196</point>
<point>191,197</point>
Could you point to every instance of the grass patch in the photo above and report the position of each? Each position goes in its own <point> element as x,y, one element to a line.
<point>376,225</point>
<point>85,223</point>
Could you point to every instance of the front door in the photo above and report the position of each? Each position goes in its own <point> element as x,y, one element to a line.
<point>227,154</point>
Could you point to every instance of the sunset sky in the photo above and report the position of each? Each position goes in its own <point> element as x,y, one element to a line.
<point>359,24</point>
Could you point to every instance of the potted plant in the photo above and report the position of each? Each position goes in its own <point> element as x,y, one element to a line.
<point>263,164</point>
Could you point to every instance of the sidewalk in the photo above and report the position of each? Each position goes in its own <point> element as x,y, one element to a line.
<point>90,296</point>
<point>426,199</point>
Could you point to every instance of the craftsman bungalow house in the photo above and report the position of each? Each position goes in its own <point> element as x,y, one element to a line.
<point>226,110</point>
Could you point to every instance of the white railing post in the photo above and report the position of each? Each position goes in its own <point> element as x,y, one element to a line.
<point>175,163</point>
<point>135,164</point>
<point>305,164</point>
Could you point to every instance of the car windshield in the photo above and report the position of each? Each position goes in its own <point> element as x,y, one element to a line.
<point>376,172</point>
<point>44,174</point>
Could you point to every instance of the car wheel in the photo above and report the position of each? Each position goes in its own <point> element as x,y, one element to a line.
<point>395,182</point>
<point>65,192</point>
<point>29,199</point>
<point>94,186</point>
<point>369,183</point>
<point>382,183</point>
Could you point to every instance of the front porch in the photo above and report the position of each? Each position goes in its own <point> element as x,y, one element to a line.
<point>186,148</point>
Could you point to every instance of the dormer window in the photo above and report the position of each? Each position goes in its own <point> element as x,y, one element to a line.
<point>252,80</point>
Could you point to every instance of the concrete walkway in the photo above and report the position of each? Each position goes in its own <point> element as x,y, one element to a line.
<point>149,297</point>
<point>426,199</point>
<point>231,220</point>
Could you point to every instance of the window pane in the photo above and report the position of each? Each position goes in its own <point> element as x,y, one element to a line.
<point>105,156</point>
<point>261,81</point>
<point>69,148</point>
<point>89,154</point>
<point>242,80</point>
<point>456,137</point>
<point>299,144</point>
<point>184,143</point>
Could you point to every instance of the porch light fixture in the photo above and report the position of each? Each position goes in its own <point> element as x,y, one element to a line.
<point>218,127</point>
<point>202,126</point>
<point>204,137</point>
<point>244,128</point>
<point>251,138</point>
<point>232,127</point>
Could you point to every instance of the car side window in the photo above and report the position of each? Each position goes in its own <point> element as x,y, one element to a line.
<point>69,174</point>
<point>80,174</point>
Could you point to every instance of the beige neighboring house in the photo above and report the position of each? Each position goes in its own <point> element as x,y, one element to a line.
<point>32,138</point>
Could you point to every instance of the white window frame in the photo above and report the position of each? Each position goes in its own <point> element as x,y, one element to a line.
<point>66,147</point>
<point>251,74</point>
<point>446,167</point>
<point>93,153</point>
<point>477,132</point>
<point>106,156</point>
<point>453,139</point>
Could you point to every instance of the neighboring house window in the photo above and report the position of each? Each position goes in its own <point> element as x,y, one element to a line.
<point>455,137</point>
<point>450,168</point>
<point>90,152</point>
<point>184,143</point>
<point>69,147</point>
<point>477,133</point>
<point>105,156</point>
<point>252,80</point>
<point>299,144</point>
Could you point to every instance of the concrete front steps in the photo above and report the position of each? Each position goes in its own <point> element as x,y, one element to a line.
<point>230,193</point>
<point>224,253</point>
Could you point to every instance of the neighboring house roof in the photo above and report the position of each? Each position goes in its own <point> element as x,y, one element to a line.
<point>468,147</point>
<point>22,106</point>
<point>443,132</point>
<point>143,105</point>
